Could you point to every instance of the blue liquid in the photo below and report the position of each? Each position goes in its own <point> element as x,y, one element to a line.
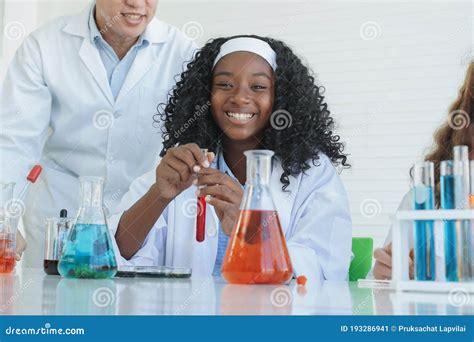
<point>447,202</point>
<point>424,236</point>
<point>88,253</point>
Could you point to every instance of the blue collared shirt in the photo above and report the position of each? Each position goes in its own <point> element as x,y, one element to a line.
<point>116,69</point>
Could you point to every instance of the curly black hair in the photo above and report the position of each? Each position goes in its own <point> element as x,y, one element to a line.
<point>187,116</point>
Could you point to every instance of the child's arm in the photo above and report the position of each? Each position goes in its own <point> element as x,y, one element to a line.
<point>175,173</point>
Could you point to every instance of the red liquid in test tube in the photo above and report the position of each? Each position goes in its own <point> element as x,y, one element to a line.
<point>201,219</point>
<point>201,213</point>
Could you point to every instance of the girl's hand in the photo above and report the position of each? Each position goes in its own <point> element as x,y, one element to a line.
<point>177,170</point>
<point>223,193</point>
<point>20,246</point>
<point>383,262</point>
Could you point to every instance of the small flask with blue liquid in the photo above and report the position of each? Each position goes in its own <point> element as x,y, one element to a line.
<point>89,252</point>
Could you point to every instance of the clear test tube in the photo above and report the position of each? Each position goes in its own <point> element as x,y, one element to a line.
<point>463,236</point>
<point>424,242</point>
<point>447,202</point>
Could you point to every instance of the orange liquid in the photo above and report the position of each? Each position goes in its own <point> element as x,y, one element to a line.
<point>257,252</point>
<point>471,201</point>
<point>7,256</point>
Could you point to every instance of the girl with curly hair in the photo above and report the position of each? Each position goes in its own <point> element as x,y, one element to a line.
<point>457,130</point>
<point>238,94</point>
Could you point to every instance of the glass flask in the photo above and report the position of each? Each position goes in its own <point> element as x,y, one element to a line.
<point>10,211</point>
<point>257,252</point>
<point>89,251</point>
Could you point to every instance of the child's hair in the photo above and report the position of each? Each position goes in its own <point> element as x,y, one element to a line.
<point>308,129</point>
<point>458,129</point>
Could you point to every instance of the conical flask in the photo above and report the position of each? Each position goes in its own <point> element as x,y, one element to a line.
<point>257,252</point>
<point>89,252</point>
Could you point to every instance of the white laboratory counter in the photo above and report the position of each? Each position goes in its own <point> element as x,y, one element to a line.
<point>31,292</point>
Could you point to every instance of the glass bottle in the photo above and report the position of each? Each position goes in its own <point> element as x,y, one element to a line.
<point>9,217</point>
<point>89,251</point>
<point>257,251</point>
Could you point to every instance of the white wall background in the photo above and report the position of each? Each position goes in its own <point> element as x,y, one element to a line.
<point>391,69</point>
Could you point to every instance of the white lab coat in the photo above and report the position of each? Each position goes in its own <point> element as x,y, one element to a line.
<point>314,215</point>
<point>54,88</point>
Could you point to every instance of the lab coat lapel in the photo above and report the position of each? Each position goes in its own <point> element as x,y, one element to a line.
<point>146,57</point>
<point>283,200</point>
<point>144,60</point>
<point>91,58</point>
<point>78,26</point>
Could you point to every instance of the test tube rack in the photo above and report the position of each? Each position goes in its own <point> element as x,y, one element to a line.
<point>400,250</point>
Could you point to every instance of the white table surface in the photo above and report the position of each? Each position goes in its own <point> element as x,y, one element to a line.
<point>31,292</point>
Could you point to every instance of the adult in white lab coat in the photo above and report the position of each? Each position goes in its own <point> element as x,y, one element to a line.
<point>79,98</point>
<point>155,223</point>
<point>457,130</point>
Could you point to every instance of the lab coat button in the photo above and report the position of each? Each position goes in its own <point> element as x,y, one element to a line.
<point>117,114</point>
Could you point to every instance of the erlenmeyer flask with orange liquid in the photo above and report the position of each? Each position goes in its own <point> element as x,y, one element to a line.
<point>257,252</point>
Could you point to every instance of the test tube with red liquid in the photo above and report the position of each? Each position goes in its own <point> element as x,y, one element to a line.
<point>201,212</point>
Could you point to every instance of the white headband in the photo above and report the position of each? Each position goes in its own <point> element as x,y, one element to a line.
<point>254,45</point>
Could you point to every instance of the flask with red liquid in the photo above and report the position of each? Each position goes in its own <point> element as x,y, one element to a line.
<point>8,225</point>
<point>257,251</point>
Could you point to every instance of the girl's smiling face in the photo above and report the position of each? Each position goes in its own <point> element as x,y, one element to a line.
<point>242,95</point>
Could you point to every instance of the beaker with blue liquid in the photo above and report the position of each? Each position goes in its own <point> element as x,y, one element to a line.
<point>88,252</point>
<point>424,241</point>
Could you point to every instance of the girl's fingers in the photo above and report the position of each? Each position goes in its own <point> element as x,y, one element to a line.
<point>170,173</point>
<point>219,191</point>
<point>383,257</point>
<point>185,156</point>
<point>207,177</point>
<point>219,204</point>
<point>196,151</point>
<point>382,271</point>
<point>180,167</point>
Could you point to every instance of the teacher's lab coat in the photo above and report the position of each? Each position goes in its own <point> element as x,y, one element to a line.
<point>57,109</point>
<point>314,215</point>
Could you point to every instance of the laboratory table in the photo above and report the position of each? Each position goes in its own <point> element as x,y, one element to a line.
<point>29,291</point>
